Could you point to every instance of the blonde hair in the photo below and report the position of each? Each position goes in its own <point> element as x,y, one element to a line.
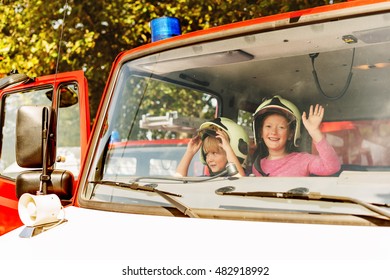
<point>212,143</point>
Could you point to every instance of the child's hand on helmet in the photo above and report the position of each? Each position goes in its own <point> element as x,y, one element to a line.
<point>230,155</point>
<point>192,148</point>
<point>224,140</point>
<point>194,144</point>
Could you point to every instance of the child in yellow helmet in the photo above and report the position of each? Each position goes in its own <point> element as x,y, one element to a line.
<point>221,141</point>
<point>276,125</point>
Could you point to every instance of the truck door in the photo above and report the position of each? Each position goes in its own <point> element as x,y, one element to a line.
<point>67,93</point>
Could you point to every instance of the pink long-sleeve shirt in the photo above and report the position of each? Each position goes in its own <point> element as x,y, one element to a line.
<point>303,164</point>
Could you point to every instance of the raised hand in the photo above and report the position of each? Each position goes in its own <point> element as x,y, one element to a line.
<point>313,121</point>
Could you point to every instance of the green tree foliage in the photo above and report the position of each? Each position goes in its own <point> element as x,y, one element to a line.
<point>94,32</point>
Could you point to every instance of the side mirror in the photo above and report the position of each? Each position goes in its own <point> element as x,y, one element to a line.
<point>69,95</point>
<point>32,122</point>
<point>35,148</point>
<point>60,183</point>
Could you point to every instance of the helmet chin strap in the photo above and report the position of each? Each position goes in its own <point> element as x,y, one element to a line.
<point>257,165</point>
<point>230,170</point>
<point>257,161</point>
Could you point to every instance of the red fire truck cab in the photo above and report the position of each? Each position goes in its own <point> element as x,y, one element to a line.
<point>67,94</point>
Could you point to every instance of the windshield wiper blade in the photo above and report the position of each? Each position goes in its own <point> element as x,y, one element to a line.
<point>134,186</point>
<point>178,205</point>
<point>153,188</point>
<point>304,194</point>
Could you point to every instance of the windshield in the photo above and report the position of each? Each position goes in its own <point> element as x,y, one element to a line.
<point>159,103</point>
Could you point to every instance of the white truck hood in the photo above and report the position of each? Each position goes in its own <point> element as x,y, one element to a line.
<point>101,244</point>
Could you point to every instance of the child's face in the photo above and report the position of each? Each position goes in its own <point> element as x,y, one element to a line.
<point>216,159</point>
<point>275,132</point>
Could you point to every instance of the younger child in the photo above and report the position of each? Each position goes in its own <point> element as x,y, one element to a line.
<point>221,141</point>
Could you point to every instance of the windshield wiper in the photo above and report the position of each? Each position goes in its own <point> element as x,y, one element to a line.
<point>304,194</point>
<point>133,186</point>
<point>178,205</point>
<point>153,188</point>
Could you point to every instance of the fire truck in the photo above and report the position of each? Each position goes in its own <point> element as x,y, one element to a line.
<point>123,205</point>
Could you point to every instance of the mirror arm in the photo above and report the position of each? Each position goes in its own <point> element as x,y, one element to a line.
<point>45,177</point>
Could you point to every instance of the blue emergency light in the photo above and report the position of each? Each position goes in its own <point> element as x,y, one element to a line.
<point>164,27</point>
